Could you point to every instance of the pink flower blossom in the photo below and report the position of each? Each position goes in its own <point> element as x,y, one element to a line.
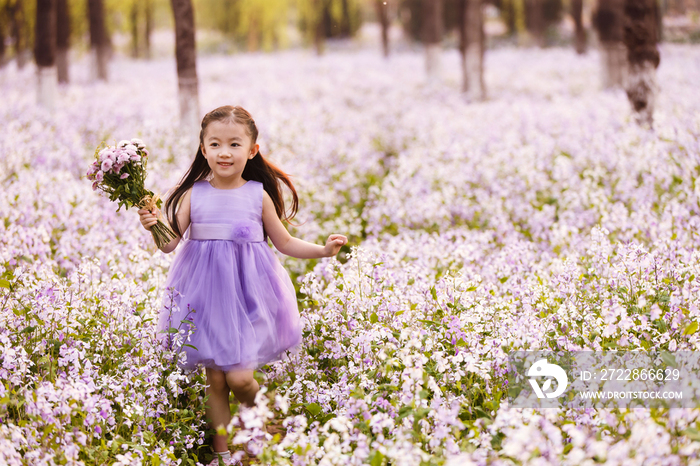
<point>138,143</point>
<point>123,157</point>
<point>124,176</point>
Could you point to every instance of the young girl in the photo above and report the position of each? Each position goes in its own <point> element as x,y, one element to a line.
<point>244,303</point>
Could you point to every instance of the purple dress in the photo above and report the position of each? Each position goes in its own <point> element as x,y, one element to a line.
<point>245,307</point>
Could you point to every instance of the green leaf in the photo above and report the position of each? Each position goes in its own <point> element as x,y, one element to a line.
<point>313,408</point>
<point>4,283</point>
<point>669,359</point>
<point>691,329</point>
<point>692,433</point>
<point>374,318</point>
<point>376,459</point>
<point>405,411</point>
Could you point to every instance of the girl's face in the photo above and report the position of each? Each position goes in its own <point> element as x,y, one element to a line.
<point>227,148</point>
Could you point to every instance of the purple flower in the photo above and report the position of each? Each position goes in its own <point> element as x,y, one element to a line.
<point>124,176</point>
<point>106,165</point>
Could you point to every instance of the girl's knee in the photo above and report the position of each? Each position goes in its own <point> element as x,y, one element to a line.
<point>241,381</point>
<point>216,379</point>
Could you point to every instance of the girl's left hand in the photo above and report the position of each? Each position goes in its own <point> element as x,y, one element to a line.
<point>333,244</point>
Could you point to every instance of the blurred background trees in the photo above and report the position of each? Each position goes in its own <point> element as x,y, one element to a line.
<point>624,32</point>
<point>45,52</point>
<point>265,25</point>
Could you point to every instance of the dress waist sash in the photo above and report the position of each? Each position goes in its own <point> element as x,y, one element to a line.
<point>240,232</point>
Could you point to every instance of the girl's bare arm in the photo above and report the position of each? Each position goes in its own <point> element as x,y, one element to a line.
<point>148,219</point>
<point>291,246</point>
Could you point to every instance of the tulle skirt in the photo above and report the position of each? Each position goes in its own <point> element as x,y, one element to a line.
<point>236,302</point>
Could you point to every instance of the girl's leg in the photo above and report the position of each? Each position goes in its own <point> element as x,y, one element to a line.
<point>243,385</point>
<point>218,408</point>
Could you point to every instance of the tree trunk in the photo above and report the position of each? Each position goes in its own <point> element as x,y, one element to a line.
<point>3,51</point>
<point>383,16</point>
<point>149,28</point>
<point>608,20</point>
<point>15,10</point>
<point>45,52</point>
<point>134,30</point>
<point>471,25</point>
<point>640,39</point>
<point>253,39</point>
<point>679,7</point>
<point>535,20</point>
<point>345,20</point>
<point>99,44</point>
<point>507,12</point>
<point>432,36</point>
<point>186,57</point>
<point>319,26</point>
<point>62,40</point>
<point>580,37</point>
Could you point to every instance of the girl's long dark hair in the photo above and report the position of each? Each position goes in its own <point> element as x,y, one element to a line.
<point>256,169</point>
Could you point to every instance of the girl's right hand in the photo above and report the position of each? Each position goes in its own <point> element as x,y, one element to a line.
<point>148,218</point>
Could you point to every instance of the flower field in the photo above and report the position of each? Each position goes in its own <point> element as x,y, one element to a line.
<point>543,218</point>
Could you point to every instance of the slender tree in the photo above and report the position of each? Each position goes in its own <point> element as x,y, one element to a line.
<point>45,52</point>
<point>534,13</point>
<point>318,25</point>
<point>99,42</point>
<point>3,51</point>
<point>383,16</point>
<point>640,39</point>
<point>679,7</point>
<point>134,20</point>
<point>580,39</point>
<point>186,57</point>
<point>62,40</point>
<point>15,9</point>
<point>608,20</point>
<point>148,4</point>
<point>471,47</point>
<point>432,30</point>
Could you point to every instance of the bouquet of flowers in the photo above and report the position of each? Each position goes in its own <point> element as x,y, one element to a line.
<point>120,172</point>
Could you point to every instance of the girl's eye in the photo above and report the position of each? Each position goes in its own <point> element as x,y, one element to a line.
<point>235,144</point>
